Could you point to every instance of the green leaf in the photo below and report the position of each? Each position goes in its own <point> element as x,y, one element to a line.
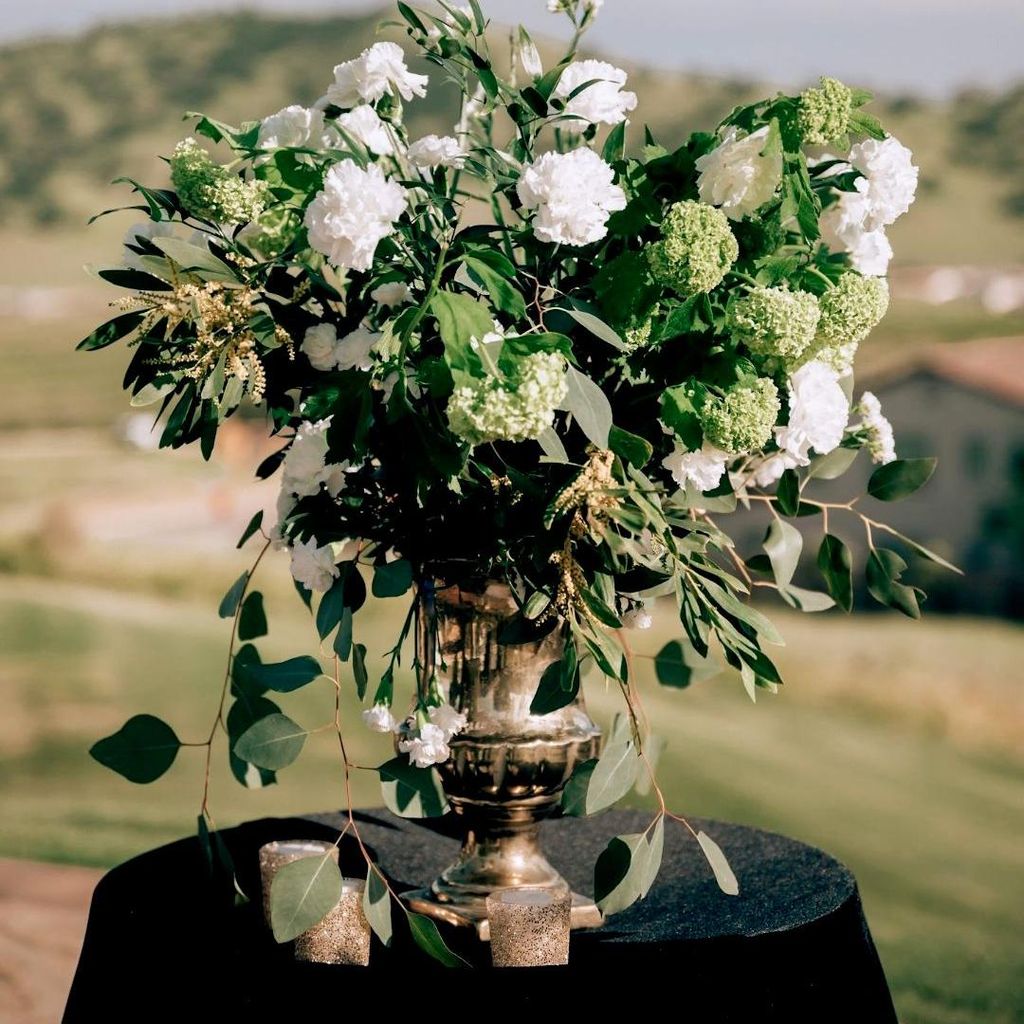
<point>141,750</point>
<point>615,144</point>
<point>788,493</point>
<point>590,407</point>
<point>502,293</point>
<point>460,320</point>
<point>111,331</point>
<point>552,692</point>
<point>252,622</point>
<point>343,638</point>
<point>833,465</point>
<point>678,665</point>
<point>285,676</point>
<point>229,602</point>
<point>392,579</point>
<point>194,257</point>
<point>631,448</point>
<point>615,772</point>
<point>331,608</point>
<point>806,600</point>
<point>359,672</point>
<point>627,868</point>
<point>412,792</point>
<point>254,525</point>
<point>679,414</point>
<point>574,795</point>
<point>884,570</point>
<point>836,566</point>
<point>920,549</point>
<point>596,326</point>
<point>377,904</point>
<point>428,938</point>
<point>719,865</point>
<point>243,713</point>
<point>302,894</point>
<point>272,742</point>
<point>783,544</point>
<point>900,479</point>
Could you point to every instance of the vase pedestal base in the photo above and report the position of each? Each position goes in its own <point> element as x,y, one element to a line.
<point>584,913</point>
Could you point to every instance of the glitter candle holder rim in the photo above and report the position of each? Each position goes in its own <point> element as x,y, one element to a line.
<point>533,926</point>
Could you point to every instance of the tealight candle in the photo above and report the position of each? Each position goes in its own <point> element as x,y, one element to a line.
<point>529,927</point>
<point>343,936</point>
<point>283,851</point>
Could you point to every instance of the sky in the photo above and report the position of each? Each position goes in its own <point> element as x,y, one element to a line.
<point>922,46</point>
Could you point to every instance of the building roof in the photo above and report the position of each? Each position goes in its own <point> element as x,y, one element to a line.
<point>991,365</point>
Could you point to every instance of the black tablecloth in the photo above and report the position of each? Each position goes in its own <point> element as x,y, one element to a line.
<point>163,943</point>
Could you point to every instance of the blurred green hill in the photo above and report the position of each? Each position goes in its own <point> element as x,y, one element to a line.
<point>77,112</point>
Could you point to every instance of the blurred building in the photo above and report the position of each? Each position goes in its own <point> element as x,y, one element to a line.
<point>963,402</point>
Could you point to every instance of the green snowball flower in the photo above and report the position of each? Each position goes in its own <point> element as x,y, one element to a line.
<point>212,192</point>
<point>823,115</point>
<point>850,310</point>
<point>515,408</point>
<point>639,334</point>
<point>696,250</point>
<point>775,321</point>
<point>742,420</point>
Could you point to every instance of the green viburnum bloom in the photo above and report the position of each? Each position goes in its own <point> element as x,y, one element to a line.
<point>514,408</point>
<point>271,233</point>
<point>824,113</point>
<point>639,335</point>
<point>208,190</point>
<point>696,250</point>
<point>775,321</point>
<point>851,309</point>
<point>742,420</point>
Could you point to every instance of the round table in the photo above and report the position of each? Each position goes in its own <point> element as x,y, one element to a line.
<point>165,940</point>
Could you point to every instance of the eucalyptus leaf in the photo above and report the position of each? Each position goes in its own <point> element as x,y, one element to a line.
<point>141,750</point>
<point>614,774</point>
<point>574,795</point>
<point>783,544</point>
<point>377,905</point>
<point>719,865</point>
<point>836,566</point>
<point>252,619</point>
<point>229,602</point>
<point>255,524</point>
<point>273,742</point>
<point>412,792</point>
<point>428,938</point>
<point>900,479</point>
<point>285,676</point>
<point>303,892</point>
<point>392,579</point>
<point>590,407</point>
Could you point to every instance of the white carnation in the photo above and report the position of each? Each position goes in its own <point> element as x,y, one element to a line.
<point>377,71</point>
<point>292,126</point>
<point>818,413</point>
<point>303,466</point>
<point>355,350</point>
<point>427,748</point>
<point>703,468</point>
<point>771,469</point>
<point>365,126</point>
<point>891,176</point>
<point>320,346</point>
<point>447,719</point>
<point>573,194</point>
<point>312,566</point>
<point>739,175</point>
<point>604,102</point>
<point>379,719</point>
<point>881,442</point>
<point>436,151</point>
<point>391,293</point>
<point>843,229</point>
<point>147,230</point>
<point>352,213</point>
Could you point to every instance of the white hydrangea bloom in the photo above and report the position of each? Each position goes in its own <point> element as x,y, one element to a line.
<point>703,468</point>
<point>604,102</point>
<point>427,748</point>
<point>355,350</point>
<point>320,346</point>
<point>148,230</point>
<point>352,213</point>
<point>573,194</point>
<point>378,71</point>
<point>891,177</point>
<point>313,566</point>
<point>379,719</point>
<point>391,293</point>
<point>818,413</point>
<point>447,719</point>
<point>881,442</point>
<point>638,617</point>
<point>365,126</point>
<point>738,175</point>
<point>292,126</point>
<point>436,151</point>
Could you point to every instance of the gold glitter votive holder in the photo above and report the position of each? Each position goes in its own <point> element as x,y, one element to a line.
<point>529,927</point>
<point>283,851</point>
<point>343,936</point>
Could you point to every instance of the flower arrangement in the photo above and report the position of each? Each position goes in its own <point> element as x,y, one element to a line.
<point>521,352</point>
